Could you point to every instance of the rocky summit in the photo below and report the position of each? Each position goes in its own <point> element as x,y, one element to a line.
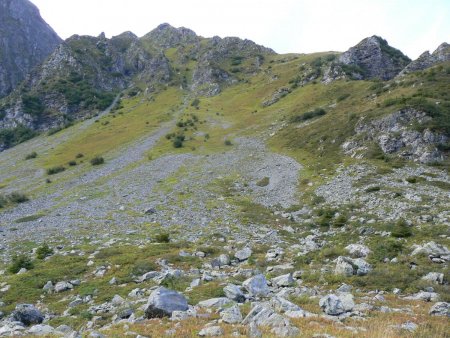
<point>25,41</point>
<point>177,185</point>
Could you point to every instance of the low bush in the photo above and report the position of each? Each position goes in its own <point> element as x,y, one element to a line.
<point>17,197</point>
<point>401,229</point>
<point>308,115</point>
<point>31,155</point>
<point>55,170</point>
<point>162,238</point>
<point>264,182</point>
<point>20,262</point>
<point>44,251</point>
<point>97,160</point>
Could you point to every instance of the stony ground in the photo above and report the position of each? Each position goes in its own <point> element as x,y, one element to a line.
<point>244,254</point>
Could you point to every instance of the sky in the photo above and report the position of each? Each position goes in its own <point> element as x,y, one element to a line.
<point>287,26</point>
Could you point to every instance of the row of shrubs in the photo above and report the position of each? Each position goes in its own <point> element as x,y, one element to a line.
<point>308,115</point>
<point>97,160</point>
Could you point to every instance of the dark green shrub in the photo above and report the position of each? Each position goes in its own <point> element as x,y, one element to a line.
<point>388,248</point>
<point>72,163</point>
<point>195,103</point>
<point>31,155</point>
<point>308,115</point>
<point>340,221</point>
<point>97,160</point>
<point>228,143</point>
<point>3,201</point>
<point>401,229</point>
<point>13,136</point>
<point>79,155</point>
<point>19,262</point>
<point>44,251</point>
<point>162,237</point>
<point>32,105</point>
<point>373,189</point>
<point>55,170</point>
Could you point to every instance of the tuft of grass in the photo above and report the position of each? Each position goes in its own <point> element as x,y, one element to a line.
<point>162,238</point>
<point>17,198</point>
<point>44,251</point>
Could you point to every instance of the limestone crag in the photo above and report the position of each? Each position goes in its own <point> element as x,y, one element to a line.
<point>427,60</point>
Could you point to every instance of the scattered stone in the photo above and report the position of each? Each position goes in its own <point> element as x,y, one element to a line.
<point>256,286</point>
<point>284,280</point>
<point>162,302</point>
<point>440,309</point>
<point>231,315</point>
<point>63,286</point>
<point>425,296</point>
<point>41,330</point>
<point>347,266</point>
<point>358,250</point>
<point>335,305</point>
<point>409,326</point>
<point>211,331</point>
<point>243,254</point>
<point>215,302</point>
<point>234,292</point>
<point>434,277</point>
<point>286,331</point>
<point>27,314</point>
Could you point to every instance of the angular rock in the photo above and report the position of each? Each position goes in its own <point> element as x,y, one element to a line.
<point>440,309</point>
<point>358,250</point>
<point>434,277</point>
<point>41,330</point>
<point>281,304</point>
<point>283,280</point>
<point>211,331</point>
<point>256,286</point>
<point>215,302</point>
<point>234,292</point>
<point>348,266</point>
<point>286,331</point>
<point>335,305</point>
<point>425,296</point>
<point>263,315</point>
<point>431,248</point>
<point>27,314</point>
<point>162,302</point>
<point>231,315</point>
<point>63,286</point>
<point>243,254</point>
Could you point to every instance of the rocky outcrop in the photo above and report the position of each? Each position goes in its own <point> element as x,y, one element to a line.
<point>394,135</point>
<point>372,58</point>
<point>25,41</point>
<point>427,60</point>
<point>165,36</point>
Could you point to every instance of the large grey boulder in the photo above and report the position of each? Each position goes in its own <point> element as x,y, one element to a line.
<point>335,305</point>
<point>162,302</point>
<point>281,304</point>
<point>243,254</point>
<point>63,286</point>
<point>234,292</point>
<point>263,315</point>
<point>256,286</point>
<point>283,280</point>
<point>27,314</point>
<point>440,309</point>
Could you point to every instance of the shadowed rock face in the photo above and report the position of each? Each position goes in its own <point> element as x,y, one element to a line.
<point>374,58</point>
<point>25,41</point>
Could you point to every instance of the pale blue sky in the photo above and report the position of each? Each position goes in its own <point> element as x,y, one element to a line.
<point>300,26</point>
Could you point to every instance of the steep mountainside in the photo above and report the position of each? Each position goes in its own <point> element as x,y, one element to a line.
<point>195,186</point>
<point>25,41</point>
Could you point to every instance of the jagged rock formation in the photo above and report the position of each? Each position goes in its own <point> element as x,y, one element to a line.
<point>394,135</point>
<point>83,74</point>
<point>371,58</point>
<point>427,60</point>
<point>25,41</point>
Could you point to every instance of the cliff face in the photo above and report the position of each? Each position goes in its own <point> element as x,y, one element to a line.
<point>25,41</point>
